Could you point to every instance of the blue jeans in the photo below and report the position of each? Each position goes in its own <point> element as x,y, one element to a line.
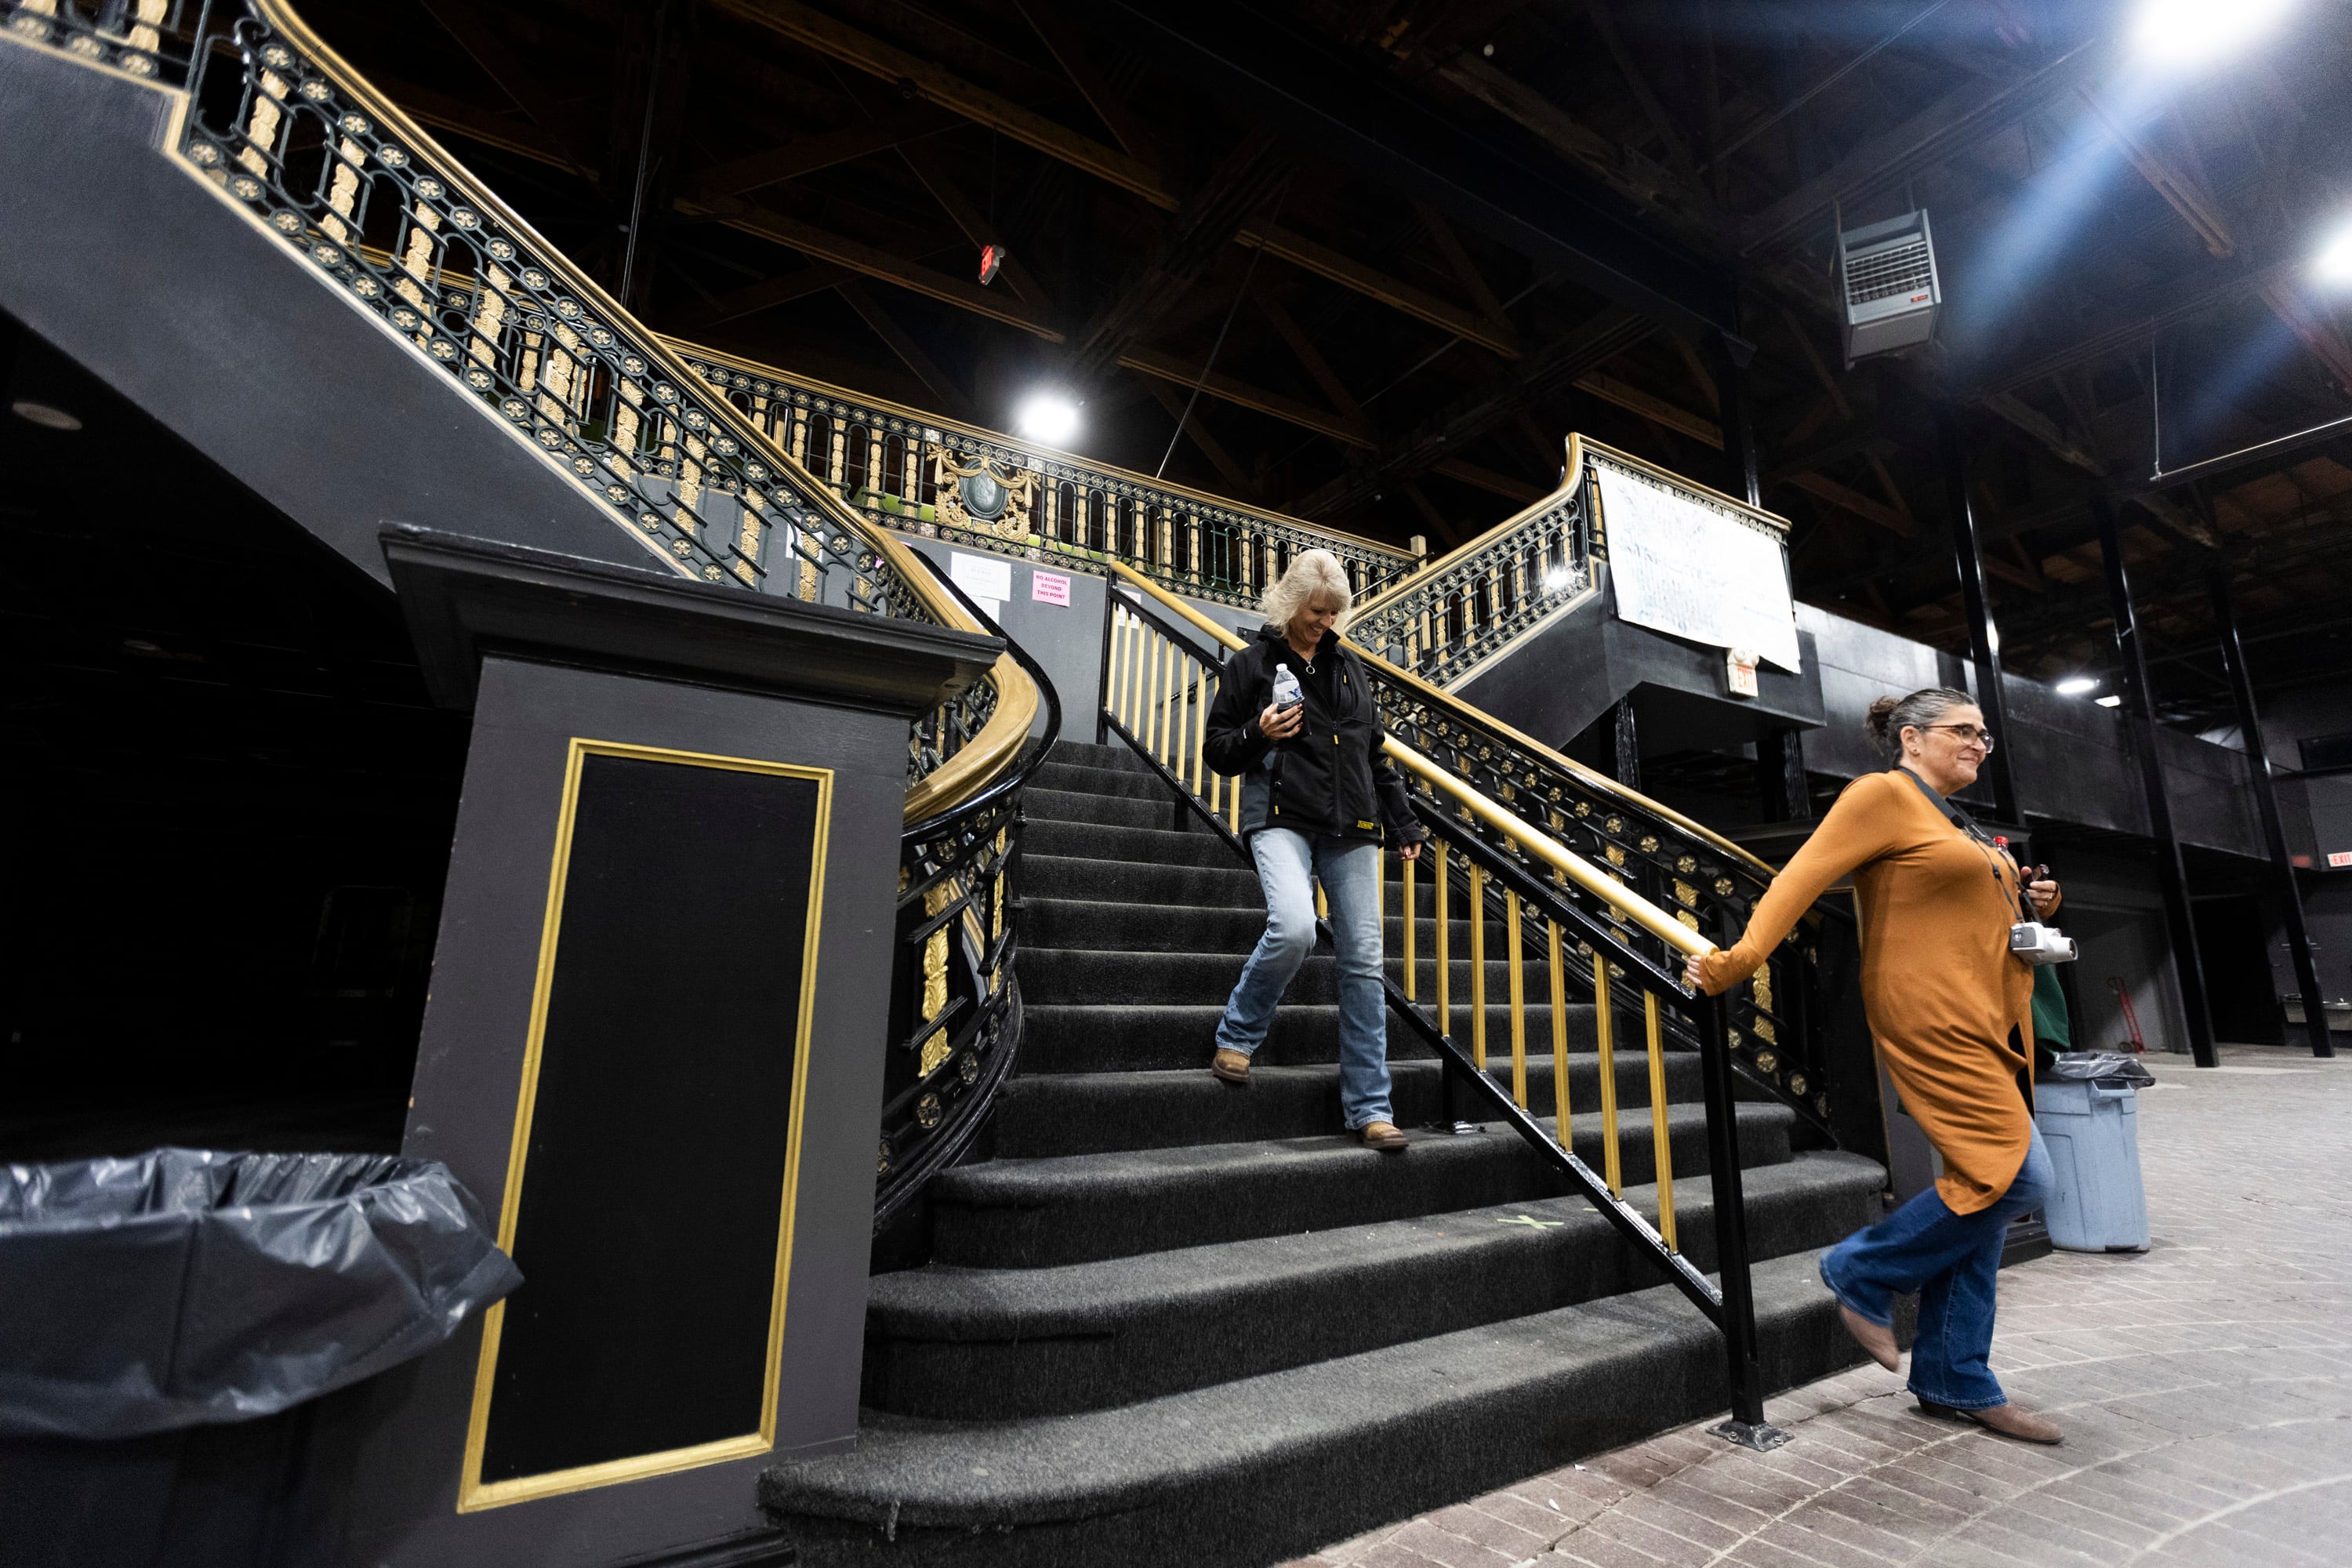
<point>1287,865</point>
<point>1951,1260</point>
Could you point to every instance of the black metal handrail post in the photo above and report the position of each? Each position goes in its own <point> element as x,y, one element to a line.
<point>1747,1426</point>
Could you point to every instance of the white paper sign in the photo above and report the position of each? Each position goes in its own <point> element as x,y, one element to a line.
<point>982,576</point>
<point>1050,588</point>
<point>1686,569</point>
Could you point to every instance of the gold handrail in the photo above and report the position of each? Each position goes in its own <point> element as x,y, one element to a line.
<point>1542,845</point>
<point>1001,739</point>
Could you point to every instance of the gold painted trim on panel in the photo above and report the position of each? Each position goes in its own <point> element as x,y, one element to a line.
<point>473,1493</point>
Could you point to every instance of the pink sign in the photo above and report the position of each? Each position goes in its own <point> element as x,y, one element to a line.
<point>1050,588</point>
<point>2339,857</point>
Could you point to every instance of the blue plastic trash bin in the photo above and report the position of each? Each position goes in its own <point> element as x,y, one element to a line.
<point>2091,1128</point>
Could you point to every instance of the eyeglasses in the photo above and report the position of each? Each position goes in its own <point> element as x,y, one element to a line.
<point>1969,735</point>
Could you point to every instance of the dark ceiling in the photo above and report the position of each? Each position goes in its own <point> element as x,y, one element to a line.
<point>1412,245</point>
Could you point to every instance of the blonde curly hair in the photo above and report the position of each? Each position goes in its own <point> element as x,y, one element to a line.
<point>1314,574</point>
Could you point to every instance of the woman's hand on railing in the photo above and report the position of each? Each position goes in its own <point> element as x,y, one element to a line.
<point>1409,851</point>
<point>1692,966</point>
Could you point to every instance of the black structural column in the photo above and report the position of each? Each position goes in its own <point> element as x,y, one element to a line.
<point>1731,356</point>
<point>1629,744</point>
<point>1984,637</point>
<point>2258,763</point>
<point>2139,700</point>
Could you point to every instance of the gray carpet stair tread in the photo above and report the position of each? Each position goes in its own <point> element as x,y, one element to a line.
<point>1077,875</point>
<point>960,1343</point>
<point>1428,1419</point>
<point>1032,1212</point>
<point>1052,1114</point>
<point>1069,1036</point>
<point>1083,974</point>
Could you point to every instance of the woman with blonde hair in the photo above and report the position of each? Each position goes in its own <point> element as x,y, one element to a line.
<point>1951,1010</point>
<point>1296,719</point>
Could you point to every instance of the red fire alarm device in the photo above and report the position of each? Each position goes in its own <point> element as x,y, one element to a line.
<point>991,257</point>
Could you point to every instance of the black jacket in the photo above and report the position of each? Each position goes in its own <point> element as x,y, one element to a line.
<point>1331,777</point>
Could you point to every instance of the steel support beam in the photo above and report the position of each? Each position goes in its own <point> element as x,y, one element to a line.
<point>2171,875</point>
<point>1740,474</point>
<point>1984,637</point>
<point>1484,179</point>
<point>2258,763</point>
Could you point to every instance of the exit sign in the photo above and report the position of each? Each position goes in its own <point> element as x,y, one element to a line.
<point>2339,859</point>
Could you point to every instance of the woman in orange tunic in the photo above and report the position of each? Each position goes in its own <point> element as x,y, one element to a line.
<point>1952,1015</point>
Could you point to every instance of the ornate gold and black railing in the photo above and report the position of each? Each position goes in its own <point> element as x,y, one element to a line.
<point>354,191</point>
<point>921,474</point>
<point>1527,899</point>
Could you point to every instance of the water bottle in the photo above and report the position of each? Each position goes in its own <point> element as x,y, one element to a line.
<point>1286,694</point>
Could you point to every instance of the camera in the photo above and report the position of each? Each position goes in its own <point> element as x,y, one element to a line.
<point>2031,941</point>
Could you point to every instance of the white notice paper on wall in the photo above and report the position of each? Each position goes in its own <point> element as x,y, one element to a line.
<point>1692,572</point>
<point>985,578</point>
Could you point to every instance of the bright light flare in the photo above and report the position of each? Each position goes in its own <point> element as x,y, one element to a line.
<point>1047,416</point>
<point>2186,33</point>
<point>2108,702</point>
<point>2075,685</point>
<point>2334,263</point>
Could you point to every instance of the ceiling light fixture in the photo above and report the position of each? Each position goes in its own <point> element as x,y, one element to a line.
<point>2334,262</point>
<point>2075,685</point>
<point>1047,416</point>
<point>2108,702</point>
<point>2186,33</point>
<point>48,416</point>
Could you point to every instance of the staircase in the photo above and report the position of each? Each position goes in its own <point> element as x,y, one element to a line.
<point>1172,1320</point>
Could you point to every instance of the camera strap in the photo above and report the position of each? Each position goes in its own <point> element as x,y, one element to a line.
<point>1980,837</point>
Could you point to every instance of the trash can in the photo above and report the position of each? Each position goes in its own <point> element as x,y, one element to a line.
<point>2086,1103</point>
<point>165,1318</point>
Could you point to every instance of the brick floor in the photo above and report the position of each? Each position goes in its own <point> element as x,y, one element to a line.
<point>2205,1387</point>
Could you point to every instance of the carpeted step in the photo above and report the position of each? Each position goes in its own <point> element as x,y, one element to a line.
<point>1179,928</point>
<point>1199,884</point>
<point>1137,1036</point>
<point>1004,1344</point>
<point>1050,975</point>
<point>1125,783</point>
<point>1045,1116</point>
<point>1145,845</point>
<point>1107,810</point>
<point>1265,1468</point>
<point>1028,1213</point>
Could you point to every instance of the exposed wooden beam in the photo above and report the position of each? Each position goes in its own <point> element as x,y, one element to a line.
<point>954,398</point>
<point>1397,295</point>
<point>1306,416</point>
<point>752,298</point>
<point>1647,184</point>
<point>1822,373</point>
<point>1701,377</point>
<point>813,29</point>
<point>1465,271</point>
<point>505,66</point>
<point>1489,479</point>
<point>1609,389</point>
<point>1244,484</point>
<point>1077,63</point>
<point>1430,514</point>
<point>1960,118</point>
<point>2044,431</point>
<point>1823,488</point>
<point>807,155</point>
<point>873,262</point>
<point>1308,355</point>
<point>2178,186</point>
<point>440,111</point>
<point>1677,150</point>
<point>924,159</point>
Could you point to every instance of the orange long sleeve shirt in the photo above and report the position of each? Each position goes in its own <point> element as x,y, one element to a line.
<point>1938,980</point>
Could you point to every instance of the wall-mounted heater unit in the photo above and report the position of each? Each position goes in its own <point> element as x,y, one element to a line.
<point>1887,273</point>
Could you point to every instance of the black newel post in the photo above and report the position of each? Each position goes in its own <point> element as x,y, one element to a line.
<point>2258,763</point>
<point>2139,702</point>
<point>1747,1426</point>
<point>1628,744</point>
<point>1984,637</point>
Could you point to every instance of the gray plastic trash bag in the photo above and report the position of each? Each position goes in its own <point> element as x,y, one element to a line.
<point>179,1287</point>
<point>2080,1067</point>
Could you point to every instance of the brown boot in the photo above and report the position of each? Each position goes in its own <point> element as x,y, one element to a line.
<point>1876,1341</point>
<point>1231,1066</point>
<point>2001,1420</point>
<point>1383,1136</point>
